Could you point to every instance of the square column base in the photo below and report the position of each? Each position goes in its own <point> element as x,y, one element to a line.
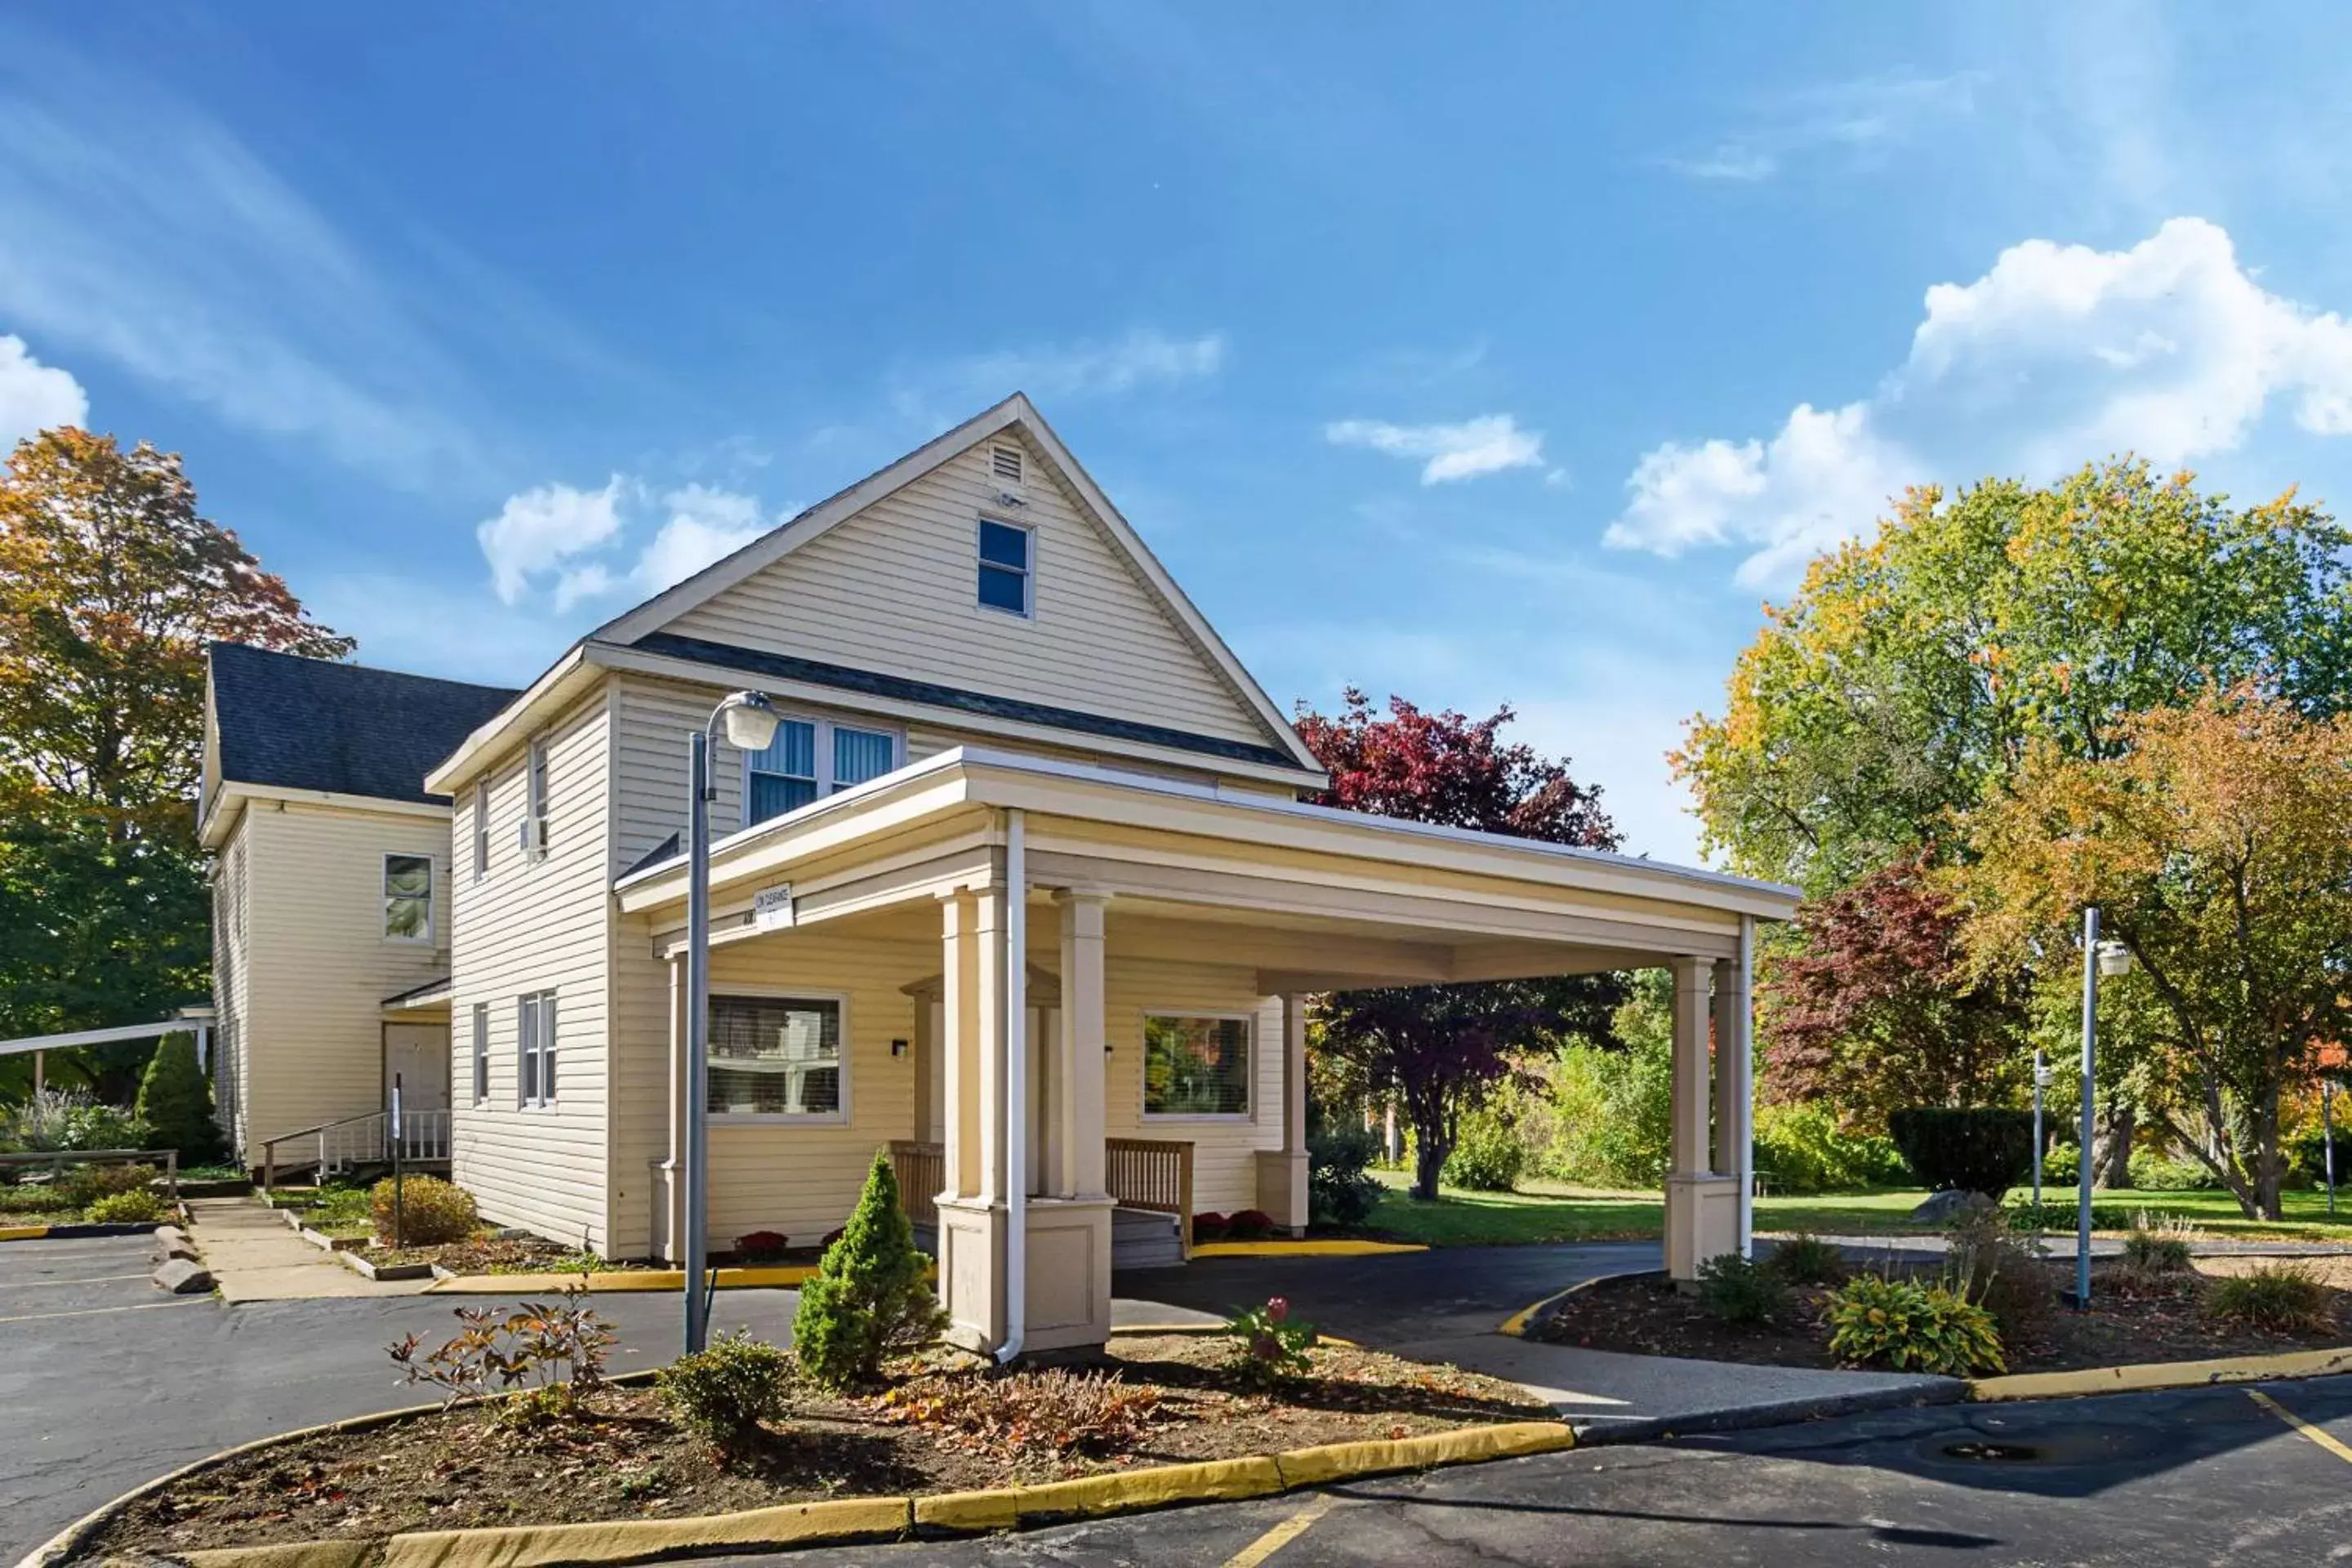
<point>1282,1188</point>
<point>1702,1221</point>
<point>1068,1282</point>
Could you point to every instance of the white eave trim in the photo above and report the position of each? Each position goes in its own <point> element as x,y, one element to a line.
<point>231,797</point>
<point>538,700</point>
<point>1381,837</point>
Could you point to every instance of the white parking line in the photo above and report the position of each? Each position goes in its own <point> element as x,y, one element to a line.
<point>95,1311</point>
<point>90,1279</point>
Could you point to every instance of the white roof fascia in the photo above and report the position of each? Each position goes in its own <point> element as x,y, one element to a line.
<point>553,686</point>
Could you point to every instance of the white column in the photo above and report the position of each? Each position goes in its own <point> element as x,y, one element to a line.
<point>1282,1173</point>
<point>1082,1107</point>
<point>1743,1031</point>
<point>1726,1066</point>
<point>960,1013</point>
<point>1688,1150</point>
<point>987,1057</point>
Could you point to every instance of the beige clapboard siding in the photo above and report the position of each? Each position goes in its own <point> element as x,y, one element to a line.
<point>316,965</point>
<point>531,926</point>
<point>231,879</point>
<point>1224,1157</point>
<point>894,590</point>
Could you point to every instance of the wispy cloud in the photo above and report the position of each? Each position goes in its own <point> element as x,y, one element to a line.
<point>32,396</point>
<point>1487,445</point>
<point>578,546</point>
<point>1141,359</point>
<point>1858,120</point>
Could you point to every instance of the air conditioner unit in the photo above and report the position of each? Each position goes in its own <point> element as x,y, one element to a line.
<point>533,835</point>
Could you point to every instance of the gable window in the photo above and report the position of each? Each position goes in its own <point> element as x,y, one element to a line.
<point>778,1057</point>
<point>1196,1066</point>
<point>809,758</point>
<point>535,1049</point>
<point>408,897</point>
<point>481,828</point>
<point>534,816</point>
<point>1005,567</point>
<point>481,1053</point>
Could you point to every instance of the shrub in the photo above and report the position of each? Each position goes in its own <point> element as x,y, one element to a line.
<point>1986,1265</point>
<point>1248,1225</point>
<point>140,1208</point>
<point>33,1198</point>
<point>1803,1259</point>
<point>2156,1248</point>
<point>763,1246</point>
<point>85,1185</point>
<point>2152,1173</point>
<point>56,1121</point>
<point>1488,1155</point>
<point>2277,1297</point>
<point>1738,1291</point>
<point>554,1354</point>
<point>1608,1111</point>
<point>1060,1411</point>
<point>1210,1226</point>
<point>1801,1149</point>
<point>432,1211</point>
<point>1268,1344</point>
<point>1909,1327</point>
<point>176,1103</point>
<point>722,1393</point>
<point>1341,1190</point>
<point>2060,1167</point>
<point>2063,1213</point>
<point>869,1296</point>
<point>1979,1150</point>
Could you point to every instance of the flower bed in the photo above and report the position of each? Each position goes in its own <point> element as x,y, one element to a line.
<point>1173,1400</point>
<point>2133,1318</point>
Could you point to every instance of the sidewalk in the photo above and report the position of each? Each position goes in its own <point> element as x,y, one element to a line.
<point>254,1257</point>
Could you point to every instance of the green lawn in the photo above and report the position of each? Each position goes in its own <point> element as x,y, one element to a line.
<point>1551,1210</point>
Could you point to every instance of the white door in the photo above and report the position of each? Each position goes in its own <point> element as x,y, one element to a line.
<point>419,1055</point>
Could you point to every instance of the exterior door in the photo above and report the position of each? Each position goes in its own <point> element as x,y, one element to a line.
<point>419,1054</point>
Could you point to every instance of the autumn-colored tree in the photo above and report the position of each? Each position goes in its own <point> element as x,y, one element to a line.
<point>111,585</point>
<point>1914,670</point>
<point>1439,1048</point>
<point>1875,1008</point>
<point>2216,839</point>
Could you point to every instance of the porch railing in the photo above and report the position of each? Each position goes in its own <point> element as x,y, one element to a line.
<point>336,1146</point>
<point>921,1169</point>
<point>1154,1174</point>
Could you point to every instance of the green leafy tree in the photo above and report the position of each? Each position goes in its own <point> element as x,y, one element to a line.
<point>111,585</point>
<point>869,1296</point>
<point>176,1103</point>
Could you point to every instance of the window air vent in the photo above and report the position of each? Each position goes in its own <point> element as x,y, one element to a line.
<point>1004,462</point>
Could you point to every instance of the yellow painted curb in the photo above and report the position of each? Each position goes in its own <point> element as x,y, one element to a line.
<point>1344,1461</point>
<point>620,1282</point>
<point>2160,1374</point>
<point>1515,1325</point>
<point>23,1232</point>
<point>969,1511</point>
<point>292,1554</point>
<point>1216,1481</point>
<point>1303,1249</point>
<point>635,1540</point>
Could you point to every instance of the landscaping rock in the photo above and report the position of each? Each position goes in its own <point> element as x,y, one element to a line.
<point>1950,1205</point>
<point>176,1243</point>
<point>183,1277</point>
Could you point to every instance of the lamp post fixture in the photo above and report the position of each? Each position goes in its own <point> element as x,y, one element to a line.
<point>751,724</point>
<point>2098,958</point>
<point>2042,1076</point>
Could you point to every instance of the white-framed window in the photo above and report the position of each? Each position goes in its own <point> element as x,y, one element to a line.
<point>534,809</point>
<point>1007,567</point>
<point>408,898</point>
<point>481,1053</point>
<point>1197,1065</point>
<point>481,827</point>
<point>535,1049</point>
<point>809,758</point>
<point>779,1058</point>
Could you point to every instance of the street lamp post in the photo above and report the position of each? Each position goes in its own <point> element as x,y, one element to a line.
<point>2041,1082</point>
<point>2098,958</point>
<point>750,725</point>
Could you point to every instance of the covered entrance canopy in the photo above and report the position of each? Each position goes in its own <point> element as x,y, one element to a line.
<point>1006,859</point>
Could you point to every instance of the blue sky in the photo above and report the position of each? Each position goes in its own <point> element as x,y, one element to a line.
<point>1507,353</point>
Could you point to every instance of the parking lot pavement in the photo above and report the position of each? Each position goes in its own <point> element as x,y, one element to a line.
<point>42,1281</point>
<point>2209,1476</point>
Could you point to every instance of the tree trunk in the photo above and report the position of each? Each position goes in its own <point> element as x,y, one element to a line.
<point>1428,1161</point>
<point>2111,1145</point>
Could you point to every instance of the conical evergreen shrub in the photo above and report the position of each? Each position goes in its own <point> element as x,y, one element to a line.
<point>176,1103</point>
<point>869,1296</point>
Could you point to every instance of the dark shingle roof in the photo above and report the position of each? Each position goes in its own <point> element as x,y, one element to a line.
<point>308,723</point>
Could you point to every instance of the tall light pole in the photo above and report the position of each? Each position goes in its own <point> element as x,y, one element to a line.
<point>2041,1082</point>
<point>751,726</point>
<point>2090,1064</point>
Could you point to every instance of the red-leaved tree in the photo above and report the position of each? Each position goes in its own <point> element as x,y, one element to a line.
<point>1876,1011</point>
<point>1441,1048</point>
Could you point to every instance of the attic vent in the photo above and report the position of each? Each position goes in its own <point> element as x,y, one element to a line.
<point>1004,462</point>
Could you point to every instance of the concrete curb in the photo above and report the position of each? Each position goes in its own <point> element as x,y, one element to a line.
<point>1515,1325</point>
<point>838,1522</point>
<point>1337,1248</point>
<point>75,1230</point>
<point>2158,1374</point>
<point>1772,1413</point>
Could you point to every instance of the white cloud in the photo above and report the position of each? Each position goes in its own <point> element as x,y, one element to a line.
<point>540,530</point>
<point>32,396</point>
<point>704,525</point>
<point>1859,121</point>
<point>954,389</point>
<point>1486,444</point>
<point>2058,355</point>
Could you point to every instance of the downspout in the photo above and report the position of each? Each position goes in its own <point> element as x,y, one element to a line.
<point>1016,1087</point>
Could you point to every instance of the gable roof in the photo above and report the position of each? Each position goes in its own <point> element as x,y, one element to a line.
<point>284,721</point>
<point>649,618</point>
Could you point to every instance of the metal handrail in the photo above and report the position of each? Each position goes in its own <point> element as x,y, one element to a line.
<point>423,1135</point>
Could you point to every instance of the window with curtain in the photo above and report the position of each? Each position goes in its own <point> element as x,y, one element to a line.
<point>408,897</point>
<point>1196,1066</point>
<point>776,1055</point>
<point>809,759</point>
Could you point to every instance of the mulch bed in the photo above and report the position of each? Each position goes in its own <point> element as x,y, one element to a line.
<point>459,1468</point>
<point>490,1255</point>
<point>2127,1323</point>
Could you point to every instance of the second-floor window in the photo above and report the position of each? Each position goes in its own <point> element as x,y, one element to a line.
<point>481,828</point>
<point>408,897</point>
<point>534,811</point>
<point>1006,567</point>
<point>809,758</point>
<point>535,1049</point>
